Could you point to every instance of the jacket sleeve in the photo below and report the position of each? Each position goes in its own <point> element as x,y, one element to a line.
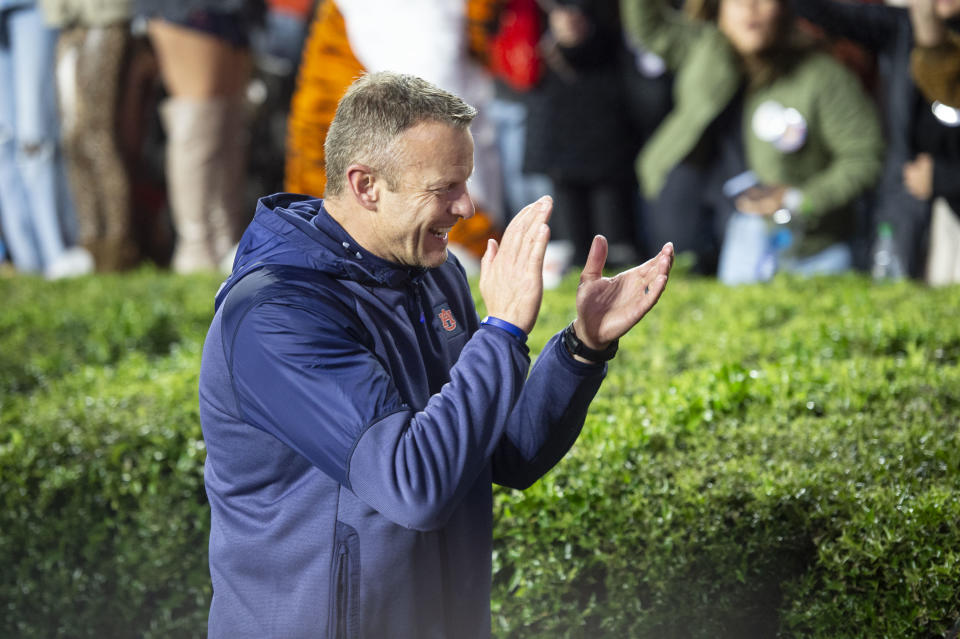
<point>660,29</point>
<point>848,121</point>
<point>307,374</point>
<point>871,25</point>
<point>547,417</point>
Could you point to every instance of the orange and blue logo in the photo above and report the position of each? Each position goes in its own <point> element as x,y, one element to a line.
<point>447,320</point>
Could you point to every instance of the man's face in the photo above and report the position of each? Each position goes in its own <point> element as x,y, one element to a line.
<point>433,163</point>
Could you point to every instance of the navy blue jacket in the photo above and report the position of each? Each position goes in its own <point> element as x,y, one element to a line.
<point>355,416</point>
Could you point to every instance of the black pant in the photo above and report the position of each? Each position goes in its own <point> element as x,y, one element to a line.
<point>582,209</point>
<point>691,210</point>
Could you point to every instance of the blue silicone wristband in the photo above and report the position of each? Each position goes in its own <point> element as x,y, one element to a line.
<point>516,331</point>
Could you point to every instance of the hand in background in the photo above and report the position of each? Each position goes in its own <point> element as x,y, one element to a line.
<point>609,307</point>
<point>761,200</point>
<point>918,176</point>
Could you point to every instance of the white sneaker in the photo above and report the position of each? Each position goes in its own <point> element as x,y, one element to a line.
<point>556,261</point>
<point>73,262</point>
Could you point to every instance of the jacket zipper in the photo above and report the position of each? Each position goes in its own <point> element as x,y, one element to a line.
<point>342,600</point>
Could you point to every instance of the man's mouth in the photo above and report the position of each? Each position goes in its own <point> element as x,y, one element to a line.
<point>441,233</point>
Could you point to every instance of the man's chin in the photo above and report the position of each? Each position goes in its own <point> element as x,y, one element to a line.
<point>438,260</point>
<point>431,260</point>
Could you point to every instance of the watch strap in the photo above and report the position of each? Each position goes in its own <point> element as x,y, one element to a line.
<point>576,347</point>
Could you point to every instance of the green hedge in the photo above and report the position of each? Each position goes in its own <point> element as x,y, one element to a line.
<point>763,461</point>
<point>103,517</point>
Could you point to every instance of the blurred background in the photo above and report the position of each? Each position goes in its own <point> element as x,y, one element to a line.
<point>813,136</point>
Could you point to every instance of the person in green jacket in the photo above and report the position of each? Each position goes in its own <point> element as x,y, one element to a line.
<point>754,101</point>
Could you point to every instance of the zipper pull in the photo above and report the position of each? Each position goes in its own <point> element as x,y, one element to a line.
<point>418,300</point>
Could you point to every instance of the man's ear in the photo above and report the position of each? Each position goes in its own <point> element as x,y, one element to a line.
<point>363,186</point>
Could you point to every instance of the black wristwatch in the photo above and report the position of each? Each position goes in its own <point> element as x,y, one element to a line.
<point>576,347</point>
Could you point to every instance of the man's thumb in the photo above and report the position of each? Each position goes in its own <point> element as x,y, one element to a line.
<point>597,257</point>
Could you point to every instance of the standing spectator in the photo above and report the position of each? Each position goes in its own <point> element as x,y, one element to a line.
<point>923,146</point>
<point>34,200</point>
<point>935,64</point>
<point>203,51</point>
<point>511,54</point>
<point>284,31</point>
<point>935,61</point>
<point>649,89</point>
<point>751,94</point>
<point>94,39</point>
<point>580,134</point>
<point>276,47</point>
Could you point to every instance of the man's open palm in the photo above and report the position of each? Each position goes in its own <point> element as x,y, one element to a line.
<point>608,307</point>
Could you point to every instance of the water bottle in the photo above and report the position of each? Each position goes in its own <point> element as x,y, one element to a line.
<point>783,235</point>
<point>886,261</point>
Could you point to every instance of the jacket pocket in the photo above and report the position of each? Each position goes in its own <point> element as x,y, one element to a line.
<point>344,605</point>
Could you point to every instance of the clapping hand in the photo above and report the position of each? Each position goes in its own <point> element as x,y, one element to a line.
<point>608,307</point>
<point>511,271</point>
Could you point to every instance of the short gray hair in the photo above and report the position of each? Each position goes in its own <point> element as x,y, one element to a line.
<point>375,110</point>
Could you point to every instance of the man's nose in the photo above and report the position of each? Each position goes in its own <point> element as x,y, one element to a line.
<point>463,206</point>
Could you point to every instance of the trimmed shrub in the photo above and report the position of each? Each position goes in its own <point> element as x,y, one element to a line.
<point>103,515</point>
<point>761,461</point>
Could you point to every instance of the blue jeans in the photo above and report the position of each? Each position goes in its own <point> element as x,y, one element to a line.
<point>282,36</point>
<point>745,247</point>
<point>520,189</point>
<point>32,178</point>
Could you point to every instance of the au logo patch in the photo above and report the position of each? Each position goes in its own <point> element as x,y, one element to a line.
<point>447,321</point>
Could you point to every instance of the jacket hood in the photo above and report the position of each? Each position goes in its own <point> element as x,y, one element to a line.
<point>296,230</point>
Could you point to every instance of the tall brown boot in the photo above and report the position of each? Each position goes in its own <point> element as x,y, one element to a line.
<point>195,148</point>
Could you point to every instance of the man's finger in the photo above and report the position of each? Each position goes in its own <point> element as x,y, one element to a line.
<point>539,248</point>
<point>655,290</point>
<point>654,263</point>
<point>540,216</point>
<point>652,270</point>
<point>649,297</point>
<point>665,262</point>
<point>490,253</point>
<point>517,226</point>
<point>521,223</point>
<point>596,258</point>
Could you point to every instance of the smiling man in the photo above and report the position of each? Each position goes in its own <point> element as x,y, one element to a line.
<point>355,410</point>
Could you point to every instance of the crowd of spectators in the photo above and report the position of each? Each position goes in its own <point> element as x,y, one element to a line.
<point>740,130</point>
